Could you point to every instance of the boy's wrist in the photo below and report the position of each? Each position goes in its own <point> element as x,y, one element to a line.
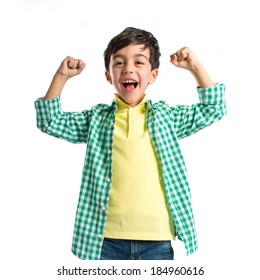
<point>60,78</point>
<point>196,69</point>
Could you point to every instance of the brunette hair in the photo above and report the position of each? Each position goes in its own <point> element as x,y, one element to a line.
<point>133,36</point>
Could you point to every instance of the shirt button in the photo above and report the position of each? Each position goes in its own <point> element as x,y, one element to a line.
<point>109,152</point>
<point>103,208</point>
<point>100,235</point>
<point>108,180</point>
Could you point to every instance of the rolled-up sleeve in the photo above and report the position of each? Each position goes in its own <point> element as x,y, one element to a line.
<point>69,126</point>
<point>212,107</point>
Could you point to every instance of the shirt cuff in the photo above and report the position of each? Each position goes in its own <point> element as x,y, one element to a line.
<point>213,95</point>
<point>47,108</point>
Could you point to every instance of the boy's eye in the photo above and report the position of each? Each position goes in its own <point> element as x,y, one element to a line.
<point>118,63</point>
<point>140,62</point>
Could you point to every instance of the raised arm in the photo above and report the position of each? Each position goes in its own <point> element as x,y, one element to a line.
<point>212,106</point>
<point>70,126</point>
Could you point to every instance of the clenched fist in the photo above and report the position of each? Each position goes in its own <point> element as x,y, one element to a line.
<point>184,58</point>
<point>71,67</point>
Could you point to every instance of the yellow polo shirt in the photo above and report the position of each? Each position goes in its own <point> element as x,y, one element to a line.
<point>137,207</point>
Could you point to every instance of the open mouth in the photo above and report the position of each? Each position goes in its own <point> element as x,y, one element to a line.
<point>130,84</point>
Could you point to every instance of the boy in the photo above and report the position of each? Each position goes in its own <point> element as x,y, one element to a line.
<point>134,196</point>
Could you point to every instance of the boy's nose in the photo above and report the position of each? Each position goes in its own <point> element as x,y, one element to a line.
<point>128,69</point>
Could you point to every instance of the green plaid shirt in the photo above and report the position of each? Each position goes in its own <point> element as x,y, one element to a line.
<point>95,127</point>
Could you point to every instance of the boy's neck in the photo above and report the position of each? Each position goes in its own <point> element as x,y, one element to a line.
<point>120,100</point>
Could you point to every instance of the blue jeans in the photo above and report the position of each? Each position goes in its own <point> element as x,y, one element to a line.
<point>120,249</point>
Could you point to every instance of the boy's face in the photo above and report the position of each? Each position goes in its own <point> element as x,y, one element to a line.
<point>130,73</point>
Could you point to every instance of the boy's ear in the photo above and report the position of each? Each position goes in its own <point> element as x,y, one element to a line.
<point>108,77</point>
<point>154,75</point>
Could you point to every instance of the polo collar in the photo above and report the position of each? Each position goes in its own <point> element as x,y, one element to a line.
<point>121,105</point>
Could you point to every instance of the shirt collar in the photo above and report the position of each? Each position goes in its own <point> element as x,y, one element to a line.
<point>121,105</point>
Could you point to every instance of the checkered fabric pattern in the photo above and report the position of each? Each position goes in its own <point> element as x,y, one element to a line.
<point>95,127</point>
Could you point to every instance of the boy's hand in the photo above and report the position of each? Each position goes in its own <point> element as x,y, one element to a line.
<point>185,58</point>
<point>71,67</point>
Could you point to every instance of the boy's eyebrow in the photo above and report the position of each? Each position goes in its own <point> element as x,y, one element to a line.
<point>137,55</point>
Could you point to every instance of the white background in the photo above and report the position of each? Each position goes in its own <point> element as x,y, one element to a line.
<point>40,175</point>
